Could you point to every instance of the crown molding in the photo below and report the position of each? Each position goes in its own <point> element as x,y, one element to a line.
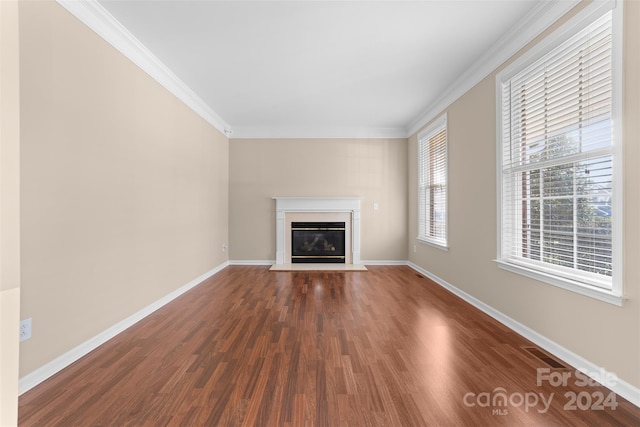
<point>96,17</point>
<point>320,132</point>
<point>529,27</point>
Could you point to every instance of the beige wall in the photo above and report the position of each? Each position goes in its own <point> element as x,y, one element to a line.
<point>9,212</point>
<point>600,332</point>
<point>373,169</point>
<point>124,189</point>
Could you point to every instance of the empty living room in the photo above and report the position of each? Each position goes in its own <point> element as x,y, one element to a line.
<point>319,213</point>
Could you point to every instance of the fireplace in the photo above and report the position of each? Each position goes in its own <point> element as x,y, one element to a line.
<point>324,210</point>
<point>317,242</point>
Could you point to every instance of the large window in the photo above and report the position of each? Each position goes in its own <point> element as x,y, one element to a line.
<point>432,185</point>
<point>558,171</point>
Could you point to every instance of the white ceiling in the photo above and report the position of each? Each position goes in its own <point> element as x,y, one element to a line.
<point>321,68</point>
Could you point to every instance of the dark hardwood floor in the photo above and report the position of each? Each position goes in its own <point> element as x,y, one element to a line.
<point>386,347</point>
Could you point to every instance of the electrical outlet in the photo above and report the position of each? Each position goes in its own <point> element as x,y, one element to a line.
<point>25,329</point>
<point>224,247</point>
<point>415,248</point>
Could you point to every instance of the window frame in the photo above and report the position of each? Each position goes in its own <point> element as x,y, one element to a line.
<point>584,18</point>
<point>438,125</point>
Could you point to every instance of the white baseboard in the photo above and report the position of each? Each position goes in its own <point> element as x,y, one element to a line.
<point>252,262</point>
<point>271,262</point>
<point>621,387</point>
<point>39,375</point>
<point>383,262</point>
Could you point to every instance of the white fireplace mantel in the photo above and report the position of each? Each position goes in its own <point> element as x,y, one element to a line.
<point>285,205</point>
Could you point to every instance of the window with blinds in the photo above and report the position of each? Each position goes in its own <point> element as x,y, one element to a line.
<point>557,162</point>
<point>432,185</point>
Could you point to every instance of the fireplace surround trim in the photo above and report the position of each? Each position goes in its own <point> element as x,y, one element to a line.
<point>286,205</point>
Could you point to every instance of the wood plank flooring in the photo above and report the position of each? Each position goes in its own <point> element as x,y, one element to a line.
<point>386,347</point>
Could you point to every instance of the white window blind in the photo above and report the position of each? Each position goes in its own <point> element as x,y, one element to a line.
<point>557,160</point>
<point>432,186</point>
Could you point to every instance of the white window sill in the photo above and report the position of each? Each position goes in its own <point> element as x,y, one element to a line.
<point>570,285</point>
<point>433,244</point>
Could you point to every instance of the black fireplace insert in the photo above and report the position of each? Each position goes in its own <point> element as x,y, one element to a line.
<point>317,242</point>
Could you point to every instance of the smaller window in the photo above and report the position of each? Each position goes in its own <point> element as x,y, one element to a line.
<point>432,183</point>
